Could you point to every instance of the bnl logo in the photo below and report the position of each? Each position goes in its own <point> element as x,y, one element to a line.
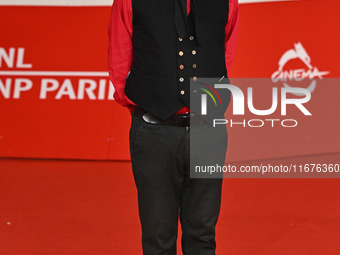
<point>239,99</point>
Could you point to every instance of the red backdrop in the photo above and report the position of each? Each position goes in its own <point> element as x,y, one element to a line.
<point>62,114</point>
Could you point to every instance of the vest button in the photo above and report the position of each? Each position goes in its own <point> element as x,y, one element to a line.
<point>180,39</point>
<point>182,92</point>
<point>191,38</point>
<point>181,53</point>
<point>181,67</point>
<point>193,52</point>
<point>194,66</point>
<point>194,78</point>
<point>181,79</point>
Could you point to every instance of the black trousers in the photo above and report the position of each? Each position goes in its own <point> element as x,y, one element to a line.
<point>160,158</point>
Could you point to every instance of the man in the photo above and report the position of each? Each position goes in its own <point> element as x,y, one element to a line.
<point>155,48</point>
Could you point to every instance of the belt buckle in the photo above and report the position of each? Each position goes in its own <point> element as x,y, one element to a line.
<point>149,118</point>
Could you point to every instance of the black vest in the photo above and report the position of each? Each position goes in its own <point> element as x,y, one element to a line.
<point>165,57</point>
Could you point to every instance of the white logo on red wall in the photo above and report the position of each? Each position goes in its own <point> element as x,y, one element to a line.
<point>20,77</point>
<point>307,71</point>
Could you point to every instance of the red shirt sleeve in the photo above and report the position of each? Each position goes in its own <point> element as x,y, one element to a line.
<point>231,31</point>
<point>120,48</point>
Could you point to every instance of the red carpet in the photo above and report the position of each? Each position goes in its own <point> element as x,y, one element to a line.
<point>86,207</point>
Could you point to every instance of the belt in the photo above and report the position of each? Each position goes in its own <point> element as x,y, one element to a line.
<point>184,120</point>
